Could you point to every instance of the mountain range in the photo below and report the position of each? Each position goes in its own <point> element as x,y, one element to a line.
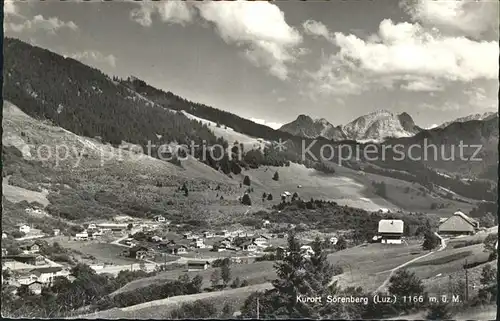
<point>89,103</point>
<point>483,116</point>
<point>376,126</point>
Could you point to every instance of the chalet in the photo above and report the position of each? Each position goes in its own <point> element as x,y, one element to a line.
<point>91,226</point>
<point>208,235</point>
<point>56,232</point>
<point>159,219</point>
<point>30,248</point>
<point>459,223</point>
<point>177,249</point>
<point>266,223</point>
<point>23,228</point>
<point>391,231</point>
<point>250,246</point>
<point>187,235</point>
<point>47,274</point>
<point>138,252</point>
<point>261,241</point>
<point>197,265</point>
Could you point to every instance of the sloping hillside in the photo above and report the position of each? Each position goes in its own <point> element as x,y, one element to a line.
<point>85,178</point>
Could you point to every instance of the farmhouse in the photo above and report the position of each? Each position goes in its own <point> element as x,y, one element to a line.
<point>457,224</point>
<point>197,265</point>
<point>23,228</point>
<point>177,249</point>
<point>391,231</point>
<point>249,246</point>
<point>47,274</point>
<point>260,240</point>
<point>138,252</point>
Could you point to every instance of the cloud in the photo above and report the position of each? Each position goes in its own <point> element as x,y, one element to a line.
<point>281,99</point>
<point>316,28</point>
<point>10,9</point>
<point>94,56</point>
<point>404,52</point>
<point>177,12</point>
<point>473,18</point>
<point>266,123</point>
<point>50,25</point>
<point>259,28</point>
<point>423,85</point>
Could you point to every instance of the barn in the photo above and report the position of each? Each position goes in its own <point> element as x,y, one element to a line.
<point>391,231</point>
<point>197,265</point>
<point>458,224</point>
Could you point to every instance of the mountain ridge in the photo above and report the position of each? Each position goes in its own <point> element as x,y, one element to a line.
<point>375,126</point>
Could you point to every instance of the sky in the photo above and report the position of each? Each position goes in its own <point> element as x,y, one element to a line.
<point>271,61</point>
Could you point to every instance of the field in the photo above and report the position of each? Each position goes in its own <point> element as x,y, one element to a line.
<point>254,273</point>
<point>160,309</point>
<point>92,252</point>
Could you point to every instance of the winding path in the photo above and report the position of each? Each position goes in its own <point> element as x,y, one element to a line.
<point>441,247</point>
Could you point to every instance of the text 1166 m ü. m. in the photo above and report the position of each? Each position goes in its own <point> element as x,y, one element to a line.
<point>430,299</point>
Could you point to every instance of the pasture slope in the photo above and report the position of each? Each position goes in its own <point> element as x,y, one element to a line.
<point>368,266</point>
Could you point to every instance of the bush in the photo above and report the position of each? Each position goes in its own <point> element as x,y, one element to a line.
<point>276,176</point>
<point>431,241</point>
<point>246,181</point>
<point>246,200</point>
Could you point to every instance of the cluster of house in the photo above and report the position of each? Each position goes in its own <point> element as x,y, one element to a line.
<point>391,231</point>
<point>35,279</point>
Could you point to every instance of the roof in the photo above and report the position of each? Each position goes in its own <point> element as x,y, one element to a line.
<point>197,262</point>
<point>468,219</point>
<point>390,226</point>
<point>51,269</point>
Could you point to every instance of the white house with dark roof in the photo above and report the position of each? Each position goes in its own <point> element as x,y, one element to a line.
<point>24,228</point>
<point>391,231</point>
<point>457,224</point>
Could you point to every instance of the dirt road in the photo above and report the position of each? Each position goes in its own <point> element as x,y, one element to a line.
<point>442,246</point>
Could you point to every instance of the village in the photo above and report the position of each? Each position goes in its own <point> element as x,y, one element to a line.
<point>152,245</point>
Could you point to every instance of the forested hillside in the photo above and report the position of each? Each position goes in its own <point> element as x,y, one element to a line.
<point>85,101</point>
